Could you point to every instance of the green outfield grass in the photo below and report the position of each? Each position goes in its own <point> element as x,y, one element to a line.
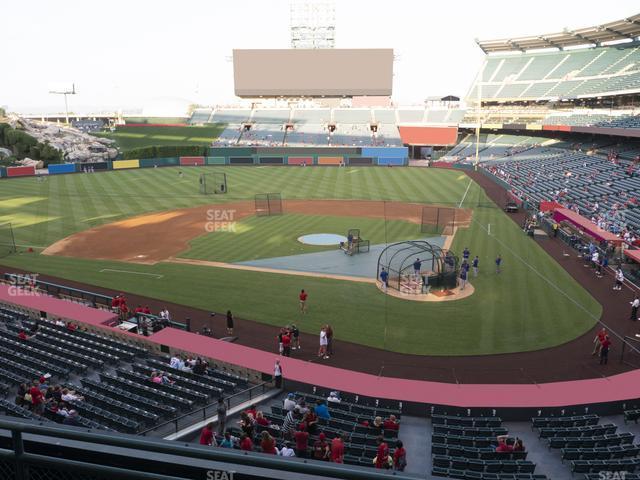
<point>262,237</point>
<point>128,137</point>
<point>533,304</point>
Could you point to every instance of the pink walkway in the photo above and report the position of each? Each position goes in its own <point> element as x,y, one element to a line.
<point>625,386</point>
<point>53,306</point>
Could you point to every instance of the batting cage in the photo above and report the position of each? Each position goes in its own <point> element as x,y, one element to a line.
<point>7,240</point>
<point>268,204</point>
<point>439,220</point>
<point>213,183</point>
<point>416,266</point>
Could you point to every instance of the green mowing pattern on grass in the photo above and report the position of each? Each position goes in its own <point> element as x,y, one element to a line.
<point>514,311</point>
<point>267,237</point>
<point>129,137</point>
<point>44,212</point>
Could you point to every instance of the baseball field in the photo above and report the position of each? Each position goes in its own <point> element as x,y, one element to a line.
<point>125,229</point>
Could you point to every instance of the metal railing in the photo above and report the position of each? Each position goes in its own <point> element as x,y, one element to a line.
<point>209,409</point>
<point>56,290</point>
<point>163,453</point>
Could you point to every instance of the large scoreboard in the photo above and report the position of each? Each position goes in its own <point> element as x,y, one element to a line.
<point>313,72</point>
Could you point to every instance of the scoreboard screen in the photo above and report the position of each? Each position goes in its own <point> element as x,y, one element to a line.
<point>313,73</point>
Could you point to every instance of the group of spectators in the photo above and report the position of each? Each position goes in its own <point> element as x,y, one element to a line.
<point>289,339</point>
<point>601,346</point>
<point>53,400</point>
<point>186,363</point>
<point>143,316</point>
<point>300,434</point>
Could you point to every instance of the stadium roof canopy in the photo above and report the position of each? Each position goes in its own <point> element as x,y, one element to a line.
<point>625,29</point>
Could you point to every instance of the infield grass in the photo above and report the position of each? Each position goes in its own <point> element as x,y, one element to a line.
<point>532,304</point>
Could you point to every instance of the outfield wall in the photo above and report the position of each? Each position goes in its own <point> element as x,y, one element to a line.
<point>309,156</point>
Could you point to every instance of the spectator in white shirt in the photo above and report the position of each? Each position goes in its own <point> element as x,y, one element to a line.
<point>334,397</point>
<point>70,396</point>
<point>634,308</point>
<point>289,402</point>
<point>286,451</point>
<point>176,362</point>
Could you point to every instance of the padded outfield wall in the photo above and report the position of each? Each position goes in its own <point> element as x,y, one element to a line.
<point>322,156</point>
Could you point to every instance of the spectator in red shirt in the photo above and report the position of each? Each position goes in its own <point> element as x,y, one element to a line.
<point>321,449</point>
<point>503,446</point>
<point>115,303</point>
<point>268,444</point>
<point>124,311</point>
<point>206,435</point>
<point>253,411</point>
<point>391,423</point>
<point>303,301</point>
<point>311,420</point>
<point>302,441</point>
<point>382,454</point>
<point>71,327</point>
<point>604,350</point>
<point>286,344</point>
<point>337,449</point>
<point>597,341</point>
<point>37,398</point>
<point>260,420</point>
<point>138,310</point>
<point>146,310</point>
<point>399,457</point>
<point>246,443</point>
<point>22,335</point>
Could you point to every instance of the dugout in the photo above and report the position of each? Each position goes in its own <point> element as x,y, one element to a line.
<point>438,270</point>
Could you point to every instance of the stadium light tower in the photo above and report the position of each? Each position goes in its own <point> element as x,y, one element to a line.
<point>65,92</point>
<point>312,23</point>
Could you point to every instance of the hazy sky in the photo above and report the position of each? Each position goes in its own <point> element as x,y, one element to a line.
<point>124,54</point>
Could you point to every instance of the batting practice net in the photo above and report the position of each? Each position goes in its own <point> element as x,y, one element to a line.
<point>268,204</point>
<point>7,240</point>
<point>437,267</point>
<point>213,183</point>
<point>440,220</point>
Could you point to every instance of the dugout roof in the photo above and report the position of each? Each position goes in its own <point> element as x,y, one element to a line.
<point>625,29</point>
